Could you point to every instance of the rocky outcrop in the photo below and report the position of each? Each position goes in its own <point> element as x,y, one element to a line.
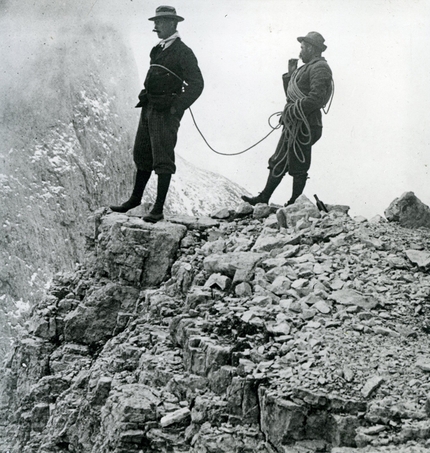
<point>254,336</point>
<point>134,252</point>
<point>409,211</point>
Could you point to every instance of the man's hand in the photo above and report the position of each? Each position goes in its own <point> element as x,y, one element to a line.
<point>292,65</point>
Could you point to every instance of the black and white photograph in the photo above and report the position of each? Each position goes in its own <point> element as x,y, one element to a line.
<point>215,226</point>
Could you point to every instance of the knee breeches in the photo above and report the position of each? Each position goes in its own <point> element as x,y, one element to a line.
<point>156,137</point>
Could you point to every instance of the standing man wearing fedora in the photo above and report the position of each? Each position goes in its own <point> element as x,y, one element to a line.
<point>308,90</point>
<point>172,84</point>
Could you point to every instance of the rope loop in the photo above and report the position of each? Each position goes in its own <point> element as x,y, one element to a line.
<point>274,128</point>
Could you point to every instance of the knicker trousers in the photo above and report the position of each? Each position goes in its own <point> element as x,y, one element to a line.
<point>156,137</point>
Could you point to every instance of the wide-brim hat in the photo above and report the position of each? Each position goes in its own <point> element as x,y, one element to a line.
<point>314,38</point>
<point>166,12</point>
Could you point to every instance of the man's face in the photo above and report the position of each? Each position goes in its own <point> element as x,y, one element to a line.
<point>164,27</point>
<point>306,52</point>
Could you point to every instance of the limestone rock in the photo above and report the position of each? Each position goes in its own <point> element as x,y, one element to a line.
<point>419,257</point>
<point>289,357</point>
<point>244,209</point>
<point>303,208</point>
<point>193,223</point>
<point>283,421</point>
<point>409,211</point>
<point>371,385</point>
<point>267,244</point>
<point>95,319</point>
<point>352,297</point>
<point>229,263</point>
<point>423,363</point>
<point>139,253</point>
<point>322,307</point>
<point>218,281</point>
<point>175,417</point>
<point>243,289</point>
<point>262,211</point>
<point>221,214</point>
<point>342,209</point>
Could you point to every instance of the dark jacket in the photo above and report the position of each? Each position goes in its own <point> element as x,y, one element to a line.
<point>160,83</point>
<point>314,79</point>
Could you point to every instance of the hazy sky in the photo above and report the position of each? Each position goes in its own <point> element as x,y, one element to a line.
<point>376,137</point>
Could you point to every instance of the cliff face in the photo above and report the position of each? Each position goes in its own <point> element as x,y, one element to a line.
<point>65,144</point>
<point>243,332</point>
<point>68,125</point>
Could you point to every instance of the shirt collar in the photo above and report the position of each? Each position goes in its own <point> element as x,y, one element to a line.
<point>165,43</point>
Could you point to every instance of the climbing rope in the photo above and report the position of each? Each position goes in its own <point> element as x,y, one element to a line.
<point>274,128</point>
<point>294,121</point>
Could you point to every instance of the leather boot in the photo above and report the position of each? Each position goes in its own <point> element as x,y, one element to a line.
<point>264,196</point>
<point>142,177</point>
<point>299,183</point>
<point>156,213</point>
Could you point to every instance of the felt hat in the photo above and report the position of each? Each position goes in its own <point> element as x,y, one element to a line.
<point>166,12</point>
<point>314,38</point>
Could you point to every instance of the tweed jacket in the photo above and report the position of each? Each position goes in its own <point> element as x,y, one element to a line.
<point>314,79</point>
<point>180,59</point>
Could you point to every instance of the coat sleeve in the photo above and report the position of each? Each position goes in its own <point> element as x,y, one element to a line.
<point>320,77</point>
<point>286,80</point>
<point>194,80</point>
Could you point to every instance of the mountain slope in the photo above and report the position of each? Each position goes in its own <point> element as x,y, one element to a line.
<point>230,336</point>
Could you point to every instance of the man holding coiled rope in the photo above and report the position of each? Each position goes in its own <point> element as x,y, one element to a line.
<point>308,90</point>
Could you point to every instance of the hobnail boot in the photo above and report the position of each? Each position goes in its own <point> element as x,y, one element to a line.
<point>131,203</point>
<point>255,200</point>
<point>153,218</point>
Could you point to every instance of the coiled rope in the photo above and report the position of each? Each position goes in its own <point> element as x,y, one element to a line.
<point>296,132</point>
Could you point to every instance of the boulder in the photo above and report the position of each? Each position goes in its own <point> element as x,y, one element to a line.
<point>419,257</point>
<point>262,211</point>
<point>351,297</point>
<point>282,421</point>
<point>221,214</point>
<point>95,319</point>
<point>409,211</point>
<point>136,252</point>
<point>303,208</point>
<point>244,209</point>
<point>130,406</point>
<point>229,263</point>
